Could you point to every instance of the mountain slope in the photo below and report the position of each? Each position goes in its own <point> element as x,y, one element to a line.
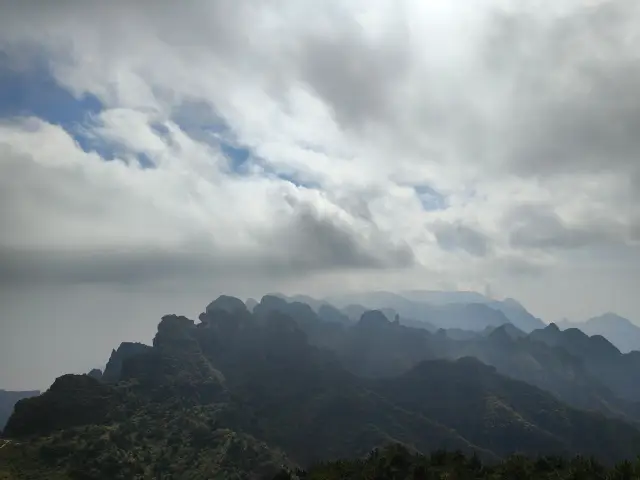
<point>517,314</point>
<point>548,367</point>
<point>8,399</point>
<point>206,392</point>
<point>505,415</point>
<point>375,347</point>
<point>623,333</point>
<point>187,444</point>
<point>617,371</point>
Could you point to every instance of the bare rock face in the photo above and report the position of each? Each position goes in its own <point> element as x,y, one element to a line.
<point>114,366</point>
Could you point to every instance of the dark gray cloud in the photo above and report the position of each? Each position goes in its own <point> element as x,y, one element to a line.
<point>306,243</point>
<point>316,241</point>
<point>221,24</point>
<point>539,226</point>
<point>549,105</point>
<point>523,267</point>
<point>355,76</point>
<point>571,88</point>
<point>456,236</point>
<point>22,266</point>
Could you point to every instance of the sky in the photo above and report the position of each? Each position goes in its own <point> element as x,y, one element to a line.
<point>155,154</point>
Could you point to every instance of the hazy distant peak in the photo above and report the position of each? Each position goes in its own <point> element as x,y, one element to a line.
<point>251,304</point>
<point>227,303</point>
<point>512,302</point>
<point>373,318</point>
<point>500,335</point>
<point>441,297</point>
<point>603,343</point>
<point>611,317</point>
<point>329,313</point>
<point>272,300</point>
<point>574,333</point>
<point>620,331</point>
<point>275,294</point>
<point>505,330</point>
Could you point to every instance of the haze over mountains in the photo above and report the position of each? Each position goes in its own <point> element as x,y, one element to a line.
<point>297,384</point>
<point>229,147</point>
<point>469,311</point>
<point>387,160</point>
<point>620,331</point>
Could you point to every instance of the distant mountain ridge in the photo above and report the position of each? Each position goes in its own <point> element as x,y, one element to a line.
<point>620,331</point>
<point>242,392</point>
<point>246,392</point>
<point>616,370</point>
<point>384,348</point>
<point>432,310</point>
<point>437,309</point>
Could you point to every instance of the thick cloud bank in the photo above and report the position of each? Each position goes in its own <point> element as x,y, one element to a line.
<point>175,150</point>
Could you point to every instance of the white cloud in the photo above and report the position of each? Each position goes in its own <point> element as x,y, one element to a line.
<point>522,118</point>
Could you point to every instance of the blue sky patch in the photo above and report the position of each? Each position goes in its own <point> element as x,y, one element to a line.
<point>161,130</point>
<point>33,91</point>
<point>145,161</point>
<point>201,122</point>
<point>289,176</point>
<point>237,156</point>
<point>430,198</point>
<point>198,120</point>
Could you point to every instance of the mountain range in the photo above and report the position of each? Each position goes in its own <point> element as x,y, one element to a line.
<point>623,333</point>
<point>250,392</point>
<point>464,310</point>
<point>468,311</point>
<point>376,347</point>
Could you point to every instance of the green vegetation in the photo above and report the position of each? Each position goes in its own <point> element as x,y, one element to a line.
<point>244,396</point>
<point>175,443</point>
<point>8,400</point>
<point>398,463</point>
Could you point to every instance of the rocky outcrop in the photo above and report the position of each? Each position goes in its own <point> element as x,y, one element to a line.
<point>114,366</point>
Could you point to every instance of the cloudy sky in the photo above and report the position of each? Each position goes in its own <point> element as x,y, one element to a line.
<point>154,154</point>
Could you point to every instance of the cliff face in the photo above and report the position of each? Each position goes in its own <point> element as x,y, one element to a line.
<point>126,350</point>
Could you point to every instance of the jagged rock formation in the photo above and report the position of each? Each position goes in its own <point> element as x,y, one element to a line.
<point>240,387</point>
<point>114,365</point>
